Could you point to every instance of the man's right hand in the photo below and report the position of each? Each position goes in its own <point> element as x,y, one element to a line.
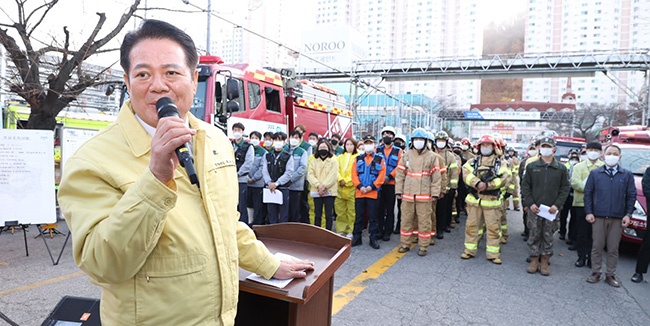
<point>272,186</point>
<point>590,218</point>
<point>171,133</point>
<point>398,196</point>
<point>534,208</point>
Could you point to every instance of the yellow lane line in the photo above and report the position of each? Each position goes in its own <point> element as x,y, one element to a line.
<point>41,283</point>
<point>2,263</point>
<point>350,291</point>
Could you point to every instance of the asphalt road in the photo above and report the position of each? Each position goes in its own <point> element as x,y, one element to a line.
<point>439,289</point>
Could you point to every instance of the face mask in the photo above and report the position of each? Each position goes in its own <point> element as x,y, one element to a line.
<point>545,151</point>
<point>369,147</point>
<point>312,142</point>
<point>387,140</point>
<point>486,151</point>
<point>268,143</point>
<point>293,142</point>
<point>278,145</point>
<point>458,152</point>
<point>593,155</point>
<point>237,135</point>
<point>323,152</point>
<point>573,162</point>
<point>335,142</point>
<point>583,157</point>
<point>611,160</point>
<point>418,144</point>
<point>532,152</point>
<point>398,144</point>
<point>464,147</point>
<point>255,142</point>
<point>441,144</point>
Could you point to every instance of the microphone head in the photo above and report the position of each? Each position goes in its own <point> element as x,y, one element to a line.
<point>166,108</point>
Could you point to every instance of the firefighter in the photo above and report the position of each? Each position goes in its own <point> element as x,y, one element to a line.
<point>391,156</point>
<point>506,192</point>
<point>418,183</point>
<point>466,149</point>
<point>443,181</point>
<point>459,200</point>
<point>513,165</point>
<point>368,175</point>
<point>485,175</point>
<point>444,204</point>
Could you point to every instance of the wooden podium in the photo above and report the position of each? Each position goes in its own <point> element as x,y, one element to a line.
<point>305,301</point>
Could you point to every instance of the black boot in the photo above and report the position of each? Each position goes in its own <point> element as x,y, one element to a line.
<point>580,262</point>
<point>637,278</point>
<point>374,244</point>
<point>356,241</point>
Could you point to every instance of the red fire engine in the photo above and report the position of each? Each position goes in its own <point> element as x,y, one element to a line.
<point>267,100</point>
<point>634,142</point>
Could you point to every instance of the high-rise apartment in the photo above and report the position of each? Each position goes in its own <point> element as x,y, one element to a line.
<point>397,29</point>
<point>583,27</point>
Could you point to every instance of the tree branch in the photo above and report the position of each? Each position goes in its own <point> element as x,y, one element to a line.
<point>48,6</point>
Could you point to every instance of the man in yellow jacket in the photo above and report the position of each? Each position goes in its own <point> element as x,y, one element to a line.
<point>164,251</point>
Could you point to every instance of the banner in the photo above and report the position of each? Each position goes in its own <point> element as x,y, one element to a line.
<point>503,115</point>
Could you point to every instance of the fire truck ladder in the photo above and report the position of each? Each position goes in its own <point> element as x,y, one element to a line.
<point>526,65</point>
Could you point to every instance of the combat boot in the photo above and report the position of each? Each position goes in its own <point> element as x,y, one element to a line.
<point>534,265</point>
<point>544,269</point>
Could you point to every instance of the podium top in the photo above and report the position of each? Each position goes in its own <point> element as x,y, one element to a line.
<point>326,249</point>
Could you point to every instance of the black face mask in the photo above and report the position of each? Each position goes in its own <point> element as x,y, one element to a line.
<point>323,153</point>
<point>399,144</point>
<point>457,151</point>
<point>335,142</point>
<point>387,140</point>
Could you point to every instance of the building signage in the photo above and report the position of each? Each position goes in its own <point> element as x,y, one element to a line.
<point>502,115</point>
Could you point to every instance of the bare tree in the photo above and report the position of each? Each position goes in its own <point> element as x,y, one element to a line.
<point>68,78</point>
<point>592,117</point>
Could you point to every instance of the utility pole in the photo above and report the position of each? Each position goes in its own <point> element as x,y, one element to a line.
<point>207,41</point>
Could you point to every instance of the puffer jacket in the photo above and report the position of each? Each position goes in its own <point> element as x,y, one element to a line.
<point>418,176</point>
<point>489,198</point>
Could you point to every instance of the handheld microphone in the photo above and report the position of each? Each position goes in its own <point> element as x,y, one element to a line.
<point>166,108</point>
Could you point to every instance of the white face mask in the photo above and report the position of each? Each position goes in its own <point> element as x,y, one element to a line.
<point>278,144</point>
<point>268,143</point>
<point>255,142</point>
<point>573,162</point>
<point>546,152</point>
<point>583,158</point>
<point>312,142</point>
<point>532,152</point>
<point>464,147</point>
<point>593,155</point>
<point>611,160</point>
<point>369,148</point>
<point>293,142</point>
<point>441,144</point>
<point>487,151</point>
<point>418,144</point>
<point>237,135</point>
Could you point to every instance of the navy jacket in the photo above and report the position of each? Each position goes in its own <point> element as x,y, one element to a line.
<point>607,196</point>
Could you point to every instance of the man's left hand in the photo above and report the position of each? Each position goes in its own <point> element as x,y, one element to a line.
<point>626,221</point>
<point>293,269</point>
<point>553,209</point>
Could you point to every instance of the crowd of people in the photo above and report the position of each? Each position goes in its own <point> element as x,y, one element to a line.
<point>348,186</point>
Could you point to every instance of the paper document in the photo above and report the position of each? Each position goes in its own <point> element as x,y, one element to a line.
<point>273,281</point>
<point>543,212</point>
<point>269,197</point>
<point>315,194</point>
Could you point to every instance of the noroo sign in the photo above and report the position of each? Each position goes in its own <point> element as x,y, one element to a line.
<point>324,46</point>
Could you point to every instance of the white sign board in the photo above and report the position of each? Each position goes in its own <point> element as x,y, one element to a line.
<point>71,140</point>
<point>336,46</point>
<point>502,115</point>
<point>27,177</point>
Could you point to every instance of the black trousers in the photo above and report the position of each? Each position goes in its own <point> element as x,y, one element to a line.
<point>583,243</point>
<point>304,204</point>
<point>386,216</point>
<point>295,205</point>
<point>643,257</point>
<point>399,215</point>
<point>460,201</point>
<point>259,208</point>
<point>362,206</point>
<point>443,209</point>
<point>564,214</point>
<point>328,201</point>
<point>573,225</point>
<point>243,201</point>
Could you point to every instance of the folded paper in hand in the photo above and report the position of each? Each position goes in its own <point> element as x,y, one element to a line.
<point>315,194</point>
<point>274,281</point>
<point>269,197</point>
<point>544,212</point>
